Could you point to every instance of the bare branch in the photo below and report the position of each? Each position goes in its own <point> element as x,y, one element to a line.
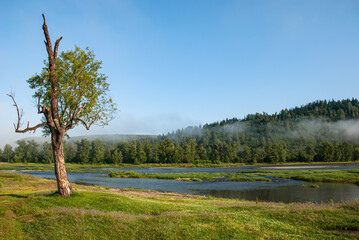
<point>74,115</point>
<point>52,77</point>
<point>19,115</point>
<point>79,110</point>
<point>56,47</point>
<point>87,126</point>
<point>47,37</point>
<point>63,112</point>
<point>40,109</point>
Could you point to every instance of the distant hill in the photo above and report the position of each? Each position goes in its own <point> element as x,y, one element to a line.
<point>328,110</point>
<point>321,131</point>
<point>319,120</point>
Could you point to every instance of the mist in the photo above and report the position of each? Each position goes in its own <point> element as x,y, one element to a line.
<point>344,130</point>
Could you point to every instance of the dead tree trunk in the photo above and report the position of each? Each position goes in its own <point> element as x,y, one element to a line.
<point>63,184</point>
<point>57,131</point>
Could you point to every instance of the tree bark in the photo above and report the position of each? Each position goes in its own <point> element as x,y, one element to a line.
<point>63,184</point>
<point>52,117</point>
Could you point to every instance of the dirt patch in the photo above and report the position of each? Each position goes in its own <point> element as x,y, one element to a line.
<point>46,186</point>
<point>152,193</point>
<point>134,192</point>
<point>354,232</point>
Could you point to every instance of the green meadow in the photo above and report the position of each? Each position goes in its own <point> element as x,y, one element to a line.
<point>30,208</point>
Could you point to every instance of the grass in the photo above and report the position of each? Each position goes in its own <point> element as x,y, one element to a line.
<point>30,209</point>
<point>335,176</point>
<point>191,176</point>
<point>318,175</point>
<point>321,175</point>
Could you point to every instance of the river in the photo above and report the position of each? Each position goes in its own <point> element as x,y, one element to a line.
<point>279,190</point>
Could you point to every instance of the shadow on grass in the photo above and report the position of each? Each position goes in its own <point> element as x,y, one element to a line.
<point>44,194</point>
<point>13,195</point>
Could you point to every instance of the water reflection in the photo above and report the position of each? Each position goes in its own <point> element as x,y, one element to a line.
<point>292,193</point>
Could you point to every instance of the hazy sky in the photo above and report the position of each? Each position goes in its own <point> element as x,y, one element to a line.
<point>177,63</point>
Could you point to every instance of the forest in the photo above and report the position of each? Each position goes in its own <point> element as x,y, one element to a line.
<point>321,131</point>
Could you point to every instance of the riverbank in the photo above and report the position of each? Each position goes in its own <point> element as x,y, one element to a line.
<point>29,209</point>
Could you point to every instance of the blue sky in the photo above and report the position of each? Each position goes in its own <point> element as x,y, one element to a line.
<point>177,63</point>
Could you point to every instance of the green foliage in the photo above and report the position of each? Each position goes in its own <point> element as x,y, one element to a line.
<point>46,153</point>
<point>83,151</point>
<point>8,154</point>
<point>112,174</point>
<point>97,152</point>
<point>27,151</point>
<point>79,84</point>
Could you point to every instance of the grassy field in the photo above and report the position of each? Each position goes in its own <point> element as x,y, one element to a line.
<point>30,209</point>
<point>318,175</point>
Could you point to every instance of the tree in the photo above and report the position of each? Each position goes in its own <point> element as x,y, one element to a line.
<point>325,152</point>
<point>70,152</point>
<point>116,157</point>
<point>148,150</point>
<point>8,153</point>
<point>46,154</point>
<point>166,151</point>
<point>69,91</point>
<point>27,151</point>
<point>97,151</point>
<point>83,151</point>
<point>141,156</point>
<point>189,151</point>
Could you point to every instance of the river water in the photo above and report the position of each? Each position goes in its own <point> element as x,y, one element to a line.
<point>279,190</point>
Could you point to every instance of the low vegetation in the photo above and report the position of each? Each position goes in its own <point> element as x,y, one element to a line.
<point>191,176</point>
<point>321,175</point>
<point>335,176</point>
<point>31,209</point>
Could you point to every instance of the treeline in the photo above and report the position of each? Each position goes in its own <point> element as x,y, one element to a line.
<point>166,151</point>
<point>303,134</point>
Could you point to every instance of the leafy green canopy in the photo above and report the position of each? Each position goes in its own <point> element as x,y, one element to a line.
<point>82,91</point>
